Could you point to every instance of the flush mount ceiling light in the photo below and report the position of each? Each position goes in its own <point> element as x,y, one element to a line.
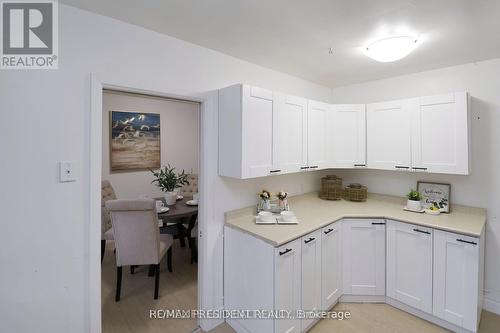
<point>391,48</point>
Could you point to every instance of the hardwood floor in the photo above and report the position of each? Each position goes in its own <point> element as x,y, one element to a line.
<point>178,290</point>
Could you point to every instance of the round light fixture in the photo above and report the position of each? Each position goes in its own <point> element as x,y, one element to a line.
<point>391,48</point>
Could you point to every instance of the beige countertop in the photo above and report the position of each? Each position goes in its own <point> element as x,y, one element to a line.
<point>314,213</point>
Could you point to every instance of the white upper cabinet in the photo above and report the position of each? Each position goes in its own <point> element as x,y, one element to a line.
<point>440,134</point>
<point>289,134</point>
<point>388,135</point>
<point>245,131</point>
<point>317,115</point>
<point>264,133</point>
<point>346,143</point>
<point>363,265</point>
<point>409,264</point>
<point>456,279</point>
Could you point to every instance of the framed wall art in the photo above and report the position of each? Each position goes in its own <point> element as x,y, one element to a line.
<point>435,194</point>
<point>134,141</point>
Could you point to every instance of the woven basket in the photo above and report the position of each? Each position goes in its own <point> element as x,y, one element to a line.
<point>331,188</point>
<point>355,192</point>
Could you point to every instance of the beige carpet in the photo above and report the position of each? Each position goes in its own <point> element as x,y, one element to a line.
<point>178,290</point>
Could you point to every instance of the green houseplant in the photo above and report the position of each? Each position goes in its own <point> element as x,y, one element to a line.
<point>414,200</point>
<point>168,180</point>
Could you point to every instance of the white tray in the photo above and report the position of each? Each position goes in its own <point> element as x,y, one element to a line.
<point>281,221</point>
<point>259,221</point>
<point>414,211</point>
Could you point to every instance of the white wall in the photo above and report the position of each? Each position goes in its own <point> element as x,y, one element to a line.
<point>482,81</point>
<point>45,118</point>
<point>179,124</point>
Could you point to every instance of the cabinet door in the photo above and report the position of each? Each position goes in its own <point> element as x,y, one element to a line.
<point>364,257</point>
<point>346,146</point>
<point>331,267</point>
<point>409,264</point>
<point>287,285</point>
<point>440,134</point>
<point>317,115</point>
<point>289,134</point>
<point>456,272</point>
<point>388,135</point>
<point>311,275</point>
<point>257,132</point>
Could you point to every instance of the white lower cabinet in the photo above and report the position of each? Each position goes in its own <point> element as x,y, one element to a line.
<point>432,274</point>
<point>287,285</point>
<point>457,283</point>
<point>331,265</point>
<point>363,250</point>
<point>311,275</point>
<point>409,264</point>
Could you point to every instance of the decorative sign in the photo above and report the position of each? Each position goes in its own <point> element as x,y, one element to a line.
<point>435,194</point>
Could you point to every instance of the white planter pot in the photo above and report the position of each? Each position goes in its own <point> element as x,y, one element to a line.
<point>171,198</point>
<point>413,205</point>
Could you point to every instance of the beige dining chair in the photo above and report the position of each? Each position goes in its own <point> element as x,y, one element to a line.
<point>188,189</point>
<point>107,193</point>
<point>137,238</point>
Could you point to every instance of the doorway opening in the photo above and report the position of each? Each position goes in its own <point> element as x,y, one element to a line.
<point>136,129</point>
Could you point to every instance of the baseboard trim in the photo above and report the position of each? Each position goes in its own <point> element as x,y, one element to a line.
<point>425,316</point>
<point>235,325</point>
<point>491,305</point>
<point>362,299</point>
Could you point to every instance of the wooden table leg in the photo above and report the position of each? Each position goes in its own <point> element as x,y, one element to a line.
<point>180,232</point>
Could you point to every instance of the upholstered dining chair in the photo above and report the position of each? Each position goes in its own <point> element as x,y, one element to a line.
<point>107,193</point>
<point>193,237</point>
<point>137,238</point>
<point>188,189</point>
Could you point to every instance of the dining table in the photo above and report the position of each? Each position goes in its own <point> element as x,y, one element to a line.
<point>177,217</point>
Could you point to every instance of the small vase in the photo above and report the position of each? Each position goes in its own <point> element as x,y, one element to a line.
<point>283,204</point>
<point>414,205</point>
<point>264,204</point>
<point>171,198</point>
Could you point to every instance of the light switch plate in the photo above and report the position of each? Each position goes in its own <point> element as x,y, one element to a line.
<point>66,173</point>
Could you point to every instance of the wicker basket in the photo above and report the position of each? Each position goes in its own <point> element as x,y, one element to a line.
<point>355,192</point>
<point>331,188</point>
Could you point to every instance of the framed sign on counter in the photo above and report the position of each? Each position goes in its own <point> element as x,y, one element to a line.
<point>435,194</point>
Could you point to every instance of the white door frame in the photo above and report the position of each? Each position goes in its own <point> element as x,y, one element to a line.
<point>208,116</point>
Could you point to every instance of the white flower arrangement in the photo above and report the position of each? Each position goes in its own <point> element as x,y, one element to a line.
<point>282,195</point>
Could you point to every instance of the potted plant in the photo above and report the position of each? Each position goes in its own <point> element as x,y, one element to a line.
<point>168,180</point>
<point>414,201</point>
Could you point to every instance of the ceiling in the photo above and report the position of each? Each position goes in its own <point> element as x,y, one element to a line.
<point>294,36</point>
